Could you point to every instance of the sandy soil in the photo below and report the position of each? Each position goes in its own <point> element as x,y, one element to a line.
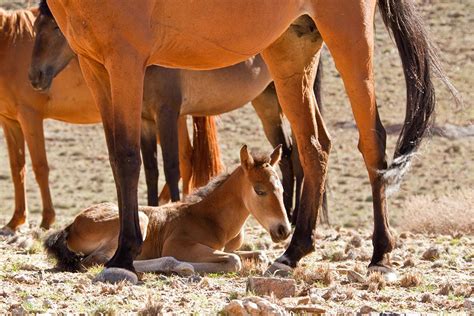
<point>80,176</point>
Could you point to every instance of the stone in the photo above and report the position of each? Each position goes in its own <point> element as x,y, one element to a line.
<point>356,241</point>
<point>355,277</point>
<point>469,304</point>
<point>116,275</point>
<point>366,309</point>
<point>307,309</point>
<point>279,287</point>
<point>253,306</point>
<point>431,254</point>
<point>426,298</point>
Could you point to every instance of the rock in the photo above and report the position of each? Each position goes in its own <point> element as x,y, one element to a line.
<point>431,254</point>
<point>356,241</point>
<point>366,309</point>
<point>352,254</point>
<point>426,298</point>
<point>437,264</point>
<point>253,306</point>
<point>25,278</point>
<point>469,304</point>
<point>445,289</point>
<point>355,277</point>
<point>307,309</point>
<point>409,262</point>
<point>267,286</point>
<point>235,307</point>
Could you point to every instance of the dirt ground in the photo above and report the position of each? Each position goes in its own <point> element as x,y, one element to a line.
<point>438,187</point>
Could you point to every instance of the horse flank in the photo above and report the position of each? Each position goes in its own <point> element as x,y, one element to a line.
<point>16,25</point>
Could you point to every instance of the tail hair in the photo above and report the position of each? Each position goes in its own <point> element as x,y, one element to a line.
<point>206,156</point>
<point>419,59</point>
<point>55,245</point>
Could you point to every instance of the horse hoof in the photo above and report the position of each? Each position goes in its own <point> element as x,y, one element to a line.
<point>6,231</point>
<point>278,269</point>
<point>389,274</point>
<point>116,275</point>
<point>184,269</point>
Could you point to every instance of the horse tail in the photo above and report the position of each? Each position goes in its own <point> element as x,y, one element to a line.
<point>206,156</point>
<point>419,59</point>
<point>55,245</point>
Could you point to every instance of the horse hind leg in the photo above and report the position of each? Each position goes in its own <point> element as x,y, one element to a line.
<point>150,163</point>
<point>16,151</point>
<point>292,61</point>
<point>353,52</point>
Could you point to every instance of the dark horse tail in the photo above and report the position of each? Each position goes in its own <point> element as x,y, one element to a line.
<point>55,245</point>
<point>420,60</point>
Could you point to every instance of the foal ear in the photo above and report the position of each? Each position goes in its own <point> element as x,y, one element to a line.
<point>246,159</point>
<point>275,156</point>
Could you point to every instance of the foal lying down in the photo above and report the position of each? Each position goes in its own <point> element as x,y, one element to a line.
<point>200,234</point>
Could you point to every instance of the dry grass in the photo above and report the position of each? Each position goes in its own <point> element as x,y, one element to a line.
<point>310,276</point>
<point>449,214</point>
<point>375,282</point>
<point>411,279</point>
<point>251,267</point>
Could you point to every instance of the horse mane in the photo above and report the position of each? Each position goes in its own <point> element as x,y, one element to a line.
<point>15,25</point>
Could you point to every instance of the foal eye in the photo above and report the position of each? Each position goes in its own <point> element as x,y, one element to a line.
<point>260,192</point>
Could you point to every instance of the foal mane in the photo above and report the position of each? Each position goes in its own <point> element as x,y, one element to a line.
<point>203,192</point>
<point>15,25</point>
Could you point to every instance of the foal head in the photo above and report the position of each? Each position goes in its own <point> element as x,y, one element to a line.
<point>51,51</point>
<point>263,192</point>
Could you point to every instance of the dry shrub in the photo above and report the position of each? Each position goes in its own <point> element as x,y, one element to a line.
<point>152,308</point>
<point>449,214</point>
<point>375,282</point>
<point>464,290</point>
<point>314,275</point>
<point>251,267</point>
<point>411,279</point>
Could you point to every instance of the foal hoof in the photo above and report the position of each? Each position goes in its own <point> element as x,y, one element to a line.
<point>278,269</point>
<point>6,231</point>
<point>184,269</point>
<point>389,274</point>
<point>116,275</point>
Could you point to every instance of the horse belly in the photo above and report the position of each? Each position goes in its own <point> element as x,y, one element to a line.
<point>214,92</point>
<point>213,34</point>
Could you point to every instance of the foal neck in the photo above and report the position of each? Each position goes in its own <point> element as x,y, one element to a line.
<point>225,205</point>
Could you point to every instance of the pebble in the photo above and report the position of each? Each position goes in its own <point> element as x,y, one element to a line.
<point>366,309</point>
<point>431,254</point>
<point>253,306</point>
<point>426,298</point>
<point>356,241</point>
<point>355,277</point>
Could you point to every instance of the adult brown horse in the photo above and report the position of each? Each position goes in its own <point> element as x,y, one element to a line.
<point>116,40</point>
<point>22,111</point>
<point>183,92</point>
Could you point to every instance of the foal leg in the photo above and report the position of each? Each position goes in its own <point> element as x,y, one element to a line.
<point>150,163</point>
<point>32,124</point>
<point>16,152</point>
<point>121,116</point>
<point>352,50</point>
<point>292,61</point>
<point>268,110</point>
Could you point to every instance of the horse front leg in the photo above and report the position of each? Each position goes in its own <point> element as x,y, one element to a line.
<point>269,111</point>
<point>150,162</point>
<point>16,152</point>
<point>32,124</point>
<point>168,130</point>
<point>118,92</point>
